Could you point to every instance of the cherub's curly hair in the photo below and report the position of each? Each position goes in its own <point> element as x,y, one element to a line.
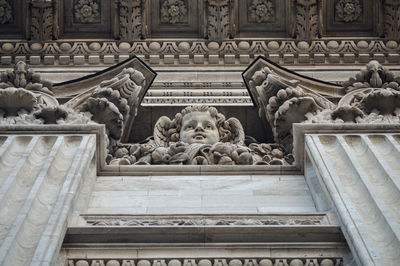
<point>176,124</point>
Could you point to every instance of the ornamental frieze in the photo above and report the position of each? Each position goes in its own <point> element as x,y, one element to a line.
<point>283,52</point>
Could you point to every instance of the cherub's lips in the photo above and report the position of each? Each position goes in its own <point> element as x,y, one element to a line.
<point>199,136</point>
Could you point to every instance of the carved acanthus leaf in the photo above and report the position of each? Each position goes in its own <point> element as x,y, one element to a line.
<point>131,19</point>
<point>392,19</point>
<point>42,19</point>
<point>218,19</point>
<point>5,12</point>
<point>307,19</point>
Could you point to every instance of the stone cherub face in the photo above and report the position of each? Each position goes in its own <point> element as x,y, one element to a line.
<point>198,124</point>
<point>199,127</point>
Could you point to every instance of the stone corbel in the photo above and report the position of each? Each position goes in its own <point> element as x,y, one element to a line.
<point>111,96</point>
<point>284,97</point>
<point>42,19</point>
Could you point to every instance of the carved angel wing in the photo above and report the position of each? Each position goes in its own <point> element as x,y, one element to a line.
<point>237,130</point>
<point>160,131</point>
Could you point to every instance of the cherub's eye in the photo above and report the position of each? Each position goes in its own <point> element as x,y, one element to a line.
<point>208,126</point>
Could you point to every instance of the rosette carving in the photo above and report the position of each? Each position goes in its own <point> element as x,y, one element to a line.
<point>261,11</point>
<point>348,10</point>
<point>86,11</point>
<point>173,11</point>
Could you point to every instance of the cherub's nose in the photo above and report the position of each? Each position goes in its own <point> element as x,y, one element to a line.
<point>199,127</point>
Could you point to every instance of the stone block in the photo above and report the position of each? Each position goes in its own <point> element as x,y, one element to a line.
<point>94,59</point>
<point>20,58</point>
<point>79,59</point>
<point>122,57</point>
<point>109,59</point>
<point>64,59</point>
<point>213,59</point>
<point>319,58</point>
<point>244,58</point>
<point>274,58</point>
<point>380,58</point>
<point>394,58</point>
<point>229,59</point>
<point>154,59</point>
<point>141,57</point>
<point>364,58</point>
<point>288,58</point>
<point>334,58</point>
<point>48,59</point>
<point>183,59</point>
<point>198,59</point>
<point>169,59</point>
<point>34,60</point>
<point>349,58</point>
<point>6,60</point>
<point>304,58</point>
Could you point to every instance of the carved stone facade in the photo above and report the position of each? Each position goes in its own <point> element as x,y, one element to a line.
<point>199,133</point>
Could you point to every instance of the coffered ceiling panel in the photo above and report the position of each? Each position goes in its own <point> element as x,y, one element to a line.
<point>263,17</point>
<point>170,18</point>
<point>90,17</point>
<point>351,17</point>
<point>11,18</point>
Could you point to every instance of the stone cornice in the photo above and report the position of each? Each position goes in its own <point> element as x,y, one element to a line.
<point>180,53</point>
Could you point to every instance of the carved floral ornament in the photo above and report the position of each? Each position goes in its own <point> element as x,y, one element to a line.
<point>348,10</point>
<point>200,135</point>
<point>5,12</point>
<point>372,96</point>
<point>261,11</point>
<point>86,11</point>
<point>173,11</point>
